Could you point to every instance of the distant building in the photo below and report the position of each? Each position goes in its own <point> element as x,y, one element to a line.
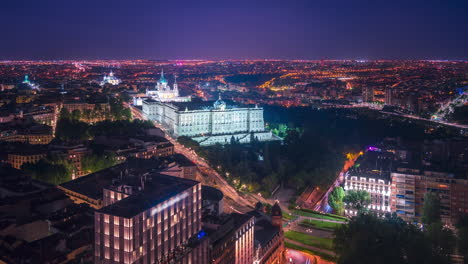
<point>20,157</point>
<point>209,123</point>
<point>389,96</point>
<point>164,93</point>
<point>368,94</point>
<point>110,79</point>
<point>34,134</point>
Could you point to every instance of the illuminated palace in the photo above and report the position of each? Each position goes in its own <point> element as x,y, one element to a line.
<point>209,123</point>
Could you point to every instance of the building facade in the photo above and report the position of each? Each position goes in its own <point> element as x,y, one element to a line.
<point>410,185</point>
<point>209,123</point>
<point>157,222</point>
<point>164,93</point>
<point>377,187</point>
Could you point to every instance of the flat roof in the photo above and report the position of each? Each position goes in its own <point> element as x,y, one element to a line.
<point>158,188</point>
<point>92,185</point>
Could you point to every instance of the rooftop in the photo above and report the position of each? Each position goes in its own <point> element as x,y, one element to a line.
<point>158,189</point>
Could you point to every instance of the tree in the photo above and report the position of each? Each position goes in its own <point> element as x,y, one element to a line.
<point>64,114</point>
<point>52,171</point>
<point>368,239</point>
<point>76,115</point>
<point>72,131</point>
<point>188,142</point>
<point>94,162</point>
<point>127,114</point>
<point>357,200</point>
<point>431,209</point>
<point>335,200</point>
<point>462,235</point>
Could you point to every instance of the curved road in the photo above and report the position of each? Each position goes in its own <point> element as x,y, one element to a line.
<point>237,201</point>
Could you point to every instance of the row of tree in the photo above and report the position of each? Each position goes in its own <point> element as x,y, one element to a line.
<point>368,238</point>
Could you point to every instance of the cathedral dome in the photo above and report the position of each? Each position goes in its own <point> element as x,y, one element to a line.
<point>219,104</point>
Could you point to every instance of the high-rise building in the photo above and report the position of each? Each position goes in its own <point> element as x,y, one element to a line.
<point>151,218</point>
<point>368,94</point>
<point>389,96</point>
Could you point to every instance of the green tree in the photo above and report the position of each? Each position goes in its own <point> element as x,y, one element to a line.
<point>53,172</point>
<point>462,235</point>
<point>335,200</point>
<point>127,114</point>
<point>76,115</point>
<point>357,200</point>
<point>368,239</point>
<point>188,142</point>
<point>431,209</point>
<point>94,162</point>
<point>64,113</point>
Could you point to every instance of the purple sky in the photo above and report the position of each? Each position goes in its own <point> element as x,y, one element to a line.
<point>217,29</point>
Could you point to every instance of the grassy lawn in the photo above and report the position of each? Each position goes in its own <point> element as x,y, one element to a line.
<point>306,239</point>
<point>310,213</point>
<point>313,252</point>
<point>287,216</point>
<point>319,224</point>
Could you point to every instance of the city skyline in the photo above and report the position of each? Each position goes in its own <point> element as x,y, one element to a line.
<point>174,30</point>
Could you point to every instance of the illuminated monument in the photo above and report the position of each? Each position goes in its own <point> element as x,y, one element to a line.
<point>164,93</point>
<point>110,79</point>
<point>209,122</point>
<point>29,84</point>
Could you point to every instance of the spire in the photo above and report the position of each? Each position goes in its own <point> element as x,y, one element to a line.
<point>162,79</point>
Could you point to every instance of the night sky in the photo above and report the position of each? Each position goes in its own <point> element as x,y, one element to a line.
<point>236,29</point>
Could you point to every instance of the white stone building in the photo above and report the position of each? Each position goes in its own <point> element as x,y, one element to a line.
<point>164,93</point>
<point>207,122</point>
<point>110,79</point>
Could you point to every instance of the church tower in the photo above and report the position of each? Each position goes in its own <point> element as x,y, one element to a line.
<point>276,216</point>
<point>176,87</point>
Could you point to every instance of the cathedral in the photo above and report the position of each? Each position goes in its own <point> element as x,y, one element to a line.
<point>164,93</point>
<point>110,79</point>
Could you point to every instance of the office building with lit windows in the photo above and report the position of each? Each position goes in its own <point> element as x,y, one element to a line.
<point>152,218</point>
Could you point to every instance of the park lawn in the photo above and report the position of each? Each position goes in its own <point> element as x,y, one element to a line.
<point>307,239</point>
<point>310,251</point>
<point>287,216</point>
<point>310,213</point>
<point>320,224</point>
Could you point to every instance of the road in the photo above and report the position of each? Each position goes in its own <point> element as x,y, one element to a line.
<point>299,257</point>
<point>428,120</point>
<point>235,201</point>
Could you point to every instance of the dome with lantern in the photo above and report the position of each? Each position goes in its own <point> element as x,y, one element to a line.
<point>219,104</point>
